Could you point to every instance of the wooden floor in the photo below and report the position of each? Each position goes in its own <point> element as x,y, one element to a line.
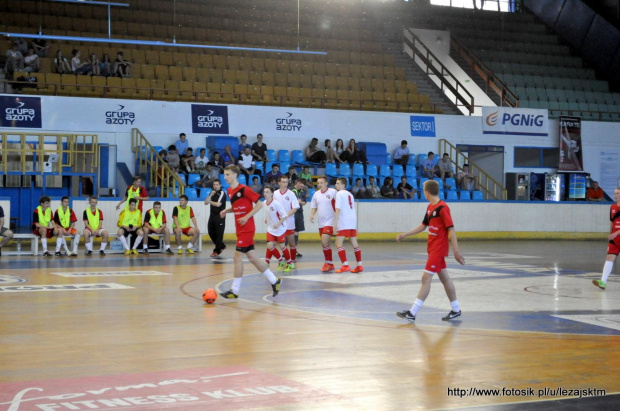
<point>532,320</point>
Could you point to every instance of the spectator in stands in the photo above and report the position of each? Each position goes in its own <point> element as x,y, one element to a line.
<point>106,66</point>
<point>405,190</point>
<point>31,62</point>
<point>14,60</point>
<point>331,154</point>
<point>314,154</point>
<point>259,149</point>
<point>188,160</point>
<point>40,47</point>
<point>121,66</point>
<point>387,189</point>
<point>272,182</point>
<point>173,159</point>
<point>428,169</point>
<point>373,190</point>
<point>22,45</point>
<point>466,180</point>
<point>5,233</point>
<point>444,168</point>
<point>401,154</point>
<point>77,66</point>
<point>257,188</point>
<point>61,65</point>
<point>306,174</point>
<point>292,175</point>
<point>339,149</point>
<point>352,154</point>
<point>358,190</point>
<point>275,172</point>
<point>163,154</point>
<point>212,173</point>
<point>218,161</point>
<point>181,144</point>
<point>228,156</point>
<point>95,64</point>
<point>246,163</point>
<point>200,163</point>
<point>595,193</point>
<point>243,143</point>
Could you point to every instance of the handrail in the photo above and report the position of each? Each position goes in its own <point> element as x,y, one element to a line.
<point>149,161</point>
<point>446,78</point>
<point>67,147</point>
<point>491,188</point>
<point>507,97</point>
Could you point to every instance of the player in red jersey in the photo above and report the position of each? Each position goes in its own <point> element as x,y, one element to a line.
<point>440,229</point>
<point>613,248</point>
<point>244,204</point>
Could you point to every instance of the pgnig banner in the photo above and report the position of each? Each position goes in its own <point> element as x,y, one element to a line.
<point>570,144</point>
<point>515,121</point>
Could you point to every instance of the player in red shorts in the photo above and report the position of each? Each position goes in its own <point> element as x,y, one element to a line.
<point>613,247</point>
<point>244,204</point>
<point>289,202</point>
<point>275,219</point>
<point>323,201</point>
<point>43,223</point>
<point>345,225</point>
<point>93,223</point>
<point>182,215</point>
<point>440,228</point>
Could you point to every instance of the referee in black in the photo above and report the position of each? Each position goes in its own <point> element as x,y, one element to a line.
<point>217,224</point>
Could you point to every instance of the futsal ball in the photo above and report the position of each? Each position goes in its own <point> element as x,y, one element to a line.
<point>209,296</point>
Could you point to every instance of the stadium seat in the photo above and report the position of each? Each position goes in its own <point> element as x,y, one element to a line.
<point>344,170</point>
<point>284,156</point>
<point>397,172</point>
<point>271,155</point>
<point>465,195</point>
<point>330,170</point>
<point>477,195</point>
<point>412,160</point>
<point>191,193</point>
<point>371,170</point>
<point>193,179</point>
<point>358,170</point>
<point>297,157</point>
<point>452,195</point>
<point>204,193</point>
<point>452,183</point>
<point>411,171</point>
<point>441,195</point>
<point>384,171</point>
<point>242,179</point>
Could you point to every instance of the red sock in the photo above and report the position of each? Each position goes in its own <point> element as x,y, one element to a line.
<point>327,252</point>
<point>358,254</point>
<point>342,254</point>
<point>275,253</point>
<point>268,254</point>
<point>286,254</point>
<point>293,253</point>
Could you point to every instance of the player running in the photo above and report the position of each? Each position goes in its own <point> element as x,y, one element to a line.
<point>613,247</point>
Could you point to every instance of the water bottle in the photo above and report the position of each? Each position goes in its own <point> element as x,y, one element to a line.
<point>19,245</point>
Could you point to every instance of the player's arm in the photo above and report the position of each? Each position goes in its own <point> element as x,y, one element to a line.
<point>223,212</point>
<point>120,221</point>
<point>612,234</point>
<point>455,246</point>
<point>411,232</point>
<point>146,196</point>
<point>312,213</point>
<point>122,201</point>
<point>291,212</point>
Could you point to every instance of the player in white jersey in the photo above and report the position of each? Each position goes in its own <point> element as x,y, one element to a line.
<point>289,202</point>
<point>345,225</point>
<point>323,201</point>
<point>275,218</point>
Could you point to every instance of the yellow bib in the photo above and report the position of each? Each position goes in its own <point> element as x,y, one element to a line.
<point>156,221</point>
<point>64,217</point>
<point>132,193</point>
<point>183,216</point>
<point>93,220</point>
<point>130,218</point>
<point>44,217</point>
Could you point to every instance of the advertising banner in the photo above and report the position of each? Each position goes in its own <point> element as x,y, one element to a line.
<point>20,112</point>
<point>570,144</point>
<point>515,121</point>
<point>422,126</point>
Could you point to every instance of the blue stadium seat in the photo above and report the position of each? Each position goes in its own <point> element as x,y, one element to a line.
<point>440,182</point>
<point>397,172</point>
<point>452,195</point>
<point>268,165</point>
<point>477,195</point>
<point>388,159</point>
<point>284,167</point>
<point>422,181</point>
<point>441,195</point>
<point>411,171</point>
<point>413,182</point>
<point>271,155</point>
<point>242,179</point>
<point>193,179</point>
<point>191,193</point>
<point>311,192</point>
<point>344,170</point>
<point>385,171</point>
<point>259,166</point>
<point>284,156</point>
<point>330,170</point>
<point>297,157</point>
<point>224,183</point>
<point>204,193</point>
<point>358,170</point>
<point>422,158</point>
<point>452,183</point>
<point>465,195</point>
<point>371,170</point>
<point>412,160</point>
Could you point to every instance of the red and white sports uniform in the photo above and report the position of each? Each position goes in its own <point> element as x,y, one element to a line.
<point>614,216</point>
<point>242,199</point>
<point>347,220</point>
<point>275,212</point>
<point>438,220</point>
<point>288,200</point>
<point>324,202</point>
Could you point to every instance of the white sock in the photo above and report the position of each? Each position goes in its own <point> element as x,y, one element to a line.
<point>190,245</point>
<point>607,270</point>
<point>76,241</point>
<point>416,306</point>
<point>89,246</point>
<point>167,246</point>
<point>124,242</point>
<point>236,285</point>
<point>59,243</point>
<point>44,244</point>
<point>455,306</point>
<point>138,240</point>
<point>180,247</point>
<point>269,276</point>
<point>64,244</point>
<point>103,246</point>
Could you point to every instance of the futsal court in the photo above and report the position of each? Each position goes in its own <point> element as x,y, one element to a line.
<point>133,333</point>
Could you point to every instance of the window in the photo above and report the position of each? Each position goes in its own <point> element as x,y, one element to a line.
<point>537,157</point>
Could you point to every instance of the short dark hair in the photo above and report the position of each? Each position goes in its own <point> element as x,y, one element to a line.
<point>446,155</point>
<point>430,153</point>
<point>254,178</point>
<point>216,180</point>
<point>133,201</point>
<point>243,135</point>
<point>93,198</point>
<point>403,142</point>
<point>202,149</point>
<point>466,165</point>
<point>342,180</point>
<point>64,198</point>
<point>182,134</point>
<point>280,177</point>
<point>182,196</point>
<point>324,177</point>
<point>301,180</point>
<point>275,165</point>
<point>358,179</point>
<point>268,187</point>
<point>156,203</point>
<point>44,199</point>
<point>431,187</point>
<point>136,178</point>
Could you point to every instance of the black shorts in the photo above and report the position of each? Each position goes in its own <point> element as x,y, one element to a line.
<point>133,234</point>
<point>245,249</point>
<point>299,222</point>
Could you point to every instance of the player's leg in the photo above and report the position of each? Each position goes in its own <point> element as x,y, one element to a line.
<point>60,238</point>
<point>178,231</point>
<point>166,233</point>
<point>269,251</point>
<point>238,274</point>
<point>104,241</point>
<point>607,267</point>
<point>145,243</point>
<point>433,265</point>
<point>212,231</point>
<point>342,253</point>
<point>42,231</point>
<point>448,285</point>
<point>292,245</point>
<point>327,252</point>
<point>193,232</point>
<point>121,236</point>
<point>138,241</point>
<point>263,268</point>
<point>358,256</point>
<point>6,236</point>
<point>88,241</point>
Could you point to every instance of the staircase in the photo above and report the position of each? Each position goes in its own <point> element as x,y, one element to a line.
<point>476,78</point>
<point>416,74</point>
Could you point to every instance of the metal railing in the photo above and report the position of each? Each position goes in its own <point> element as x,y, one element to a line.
<point>491,81</point>
<point>150,164</point>
<point>434,67</point>
<point>491,188</point>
